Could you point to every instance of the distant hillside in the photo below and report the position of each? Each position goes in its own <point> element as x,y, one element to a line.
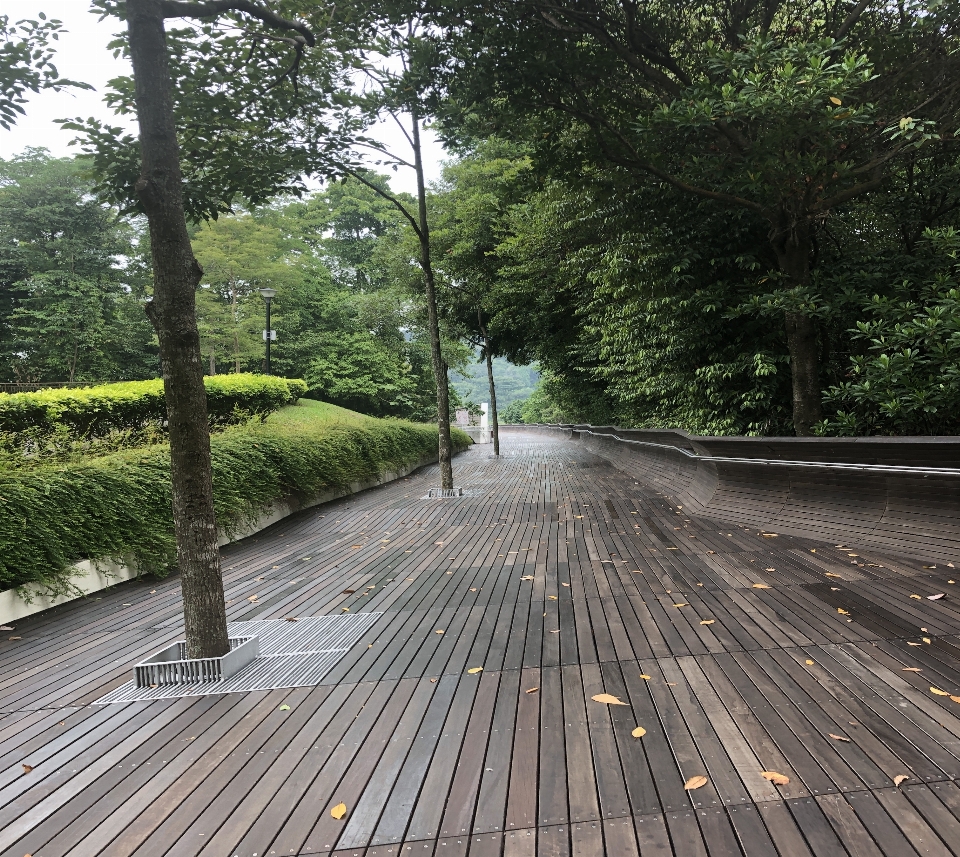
<point>514,383</point>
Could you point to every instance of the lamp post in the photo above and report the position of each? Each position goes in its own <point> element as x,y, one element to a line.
<point>268,334</point>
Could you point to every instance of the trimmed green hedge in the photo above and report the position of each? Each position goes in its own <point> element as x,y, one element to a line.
<point>118,506</point>
<point>91,412</point>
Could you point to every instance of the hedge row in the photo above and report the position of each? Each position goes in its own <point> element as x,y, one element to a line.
<point>118,506</point>
<point>91,412</point>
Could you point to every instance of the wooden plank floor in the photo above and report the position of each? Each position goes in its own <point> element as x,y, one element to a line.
<point>562,578</point>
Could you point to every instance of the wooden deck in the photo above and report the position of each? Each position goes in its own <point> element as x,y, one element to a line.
<point>805,641</point>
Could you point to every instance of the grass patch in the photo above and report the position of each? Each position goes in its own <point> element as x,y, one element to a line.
<point>118,506</point>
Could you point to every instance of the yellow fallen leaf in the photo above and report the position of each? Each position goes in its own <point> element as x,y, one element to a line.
<point>607,698</point>
<point>639,732</point>
<point>899,778</point>
<point>911,669</point>
<point>531,690</point>
<point>844,612</point>
<point>695,783</point>
<point>439,631</point>
<point>937,692</point>
<point>955,698</point>
<point>775,778</point>
<point>552,597</point>
<point>769,535</point>
<point>284,707</point>
<point>809,662</point>
<point>835,100</point>
<point>926,640</point>
<point>915,596</point>
<point>830,574</point>
<point>681,604</point>
<point>912,644</point>
<point>769,569</point>
<point>707,621</point>
<point>475,670</point>
<point>528,577</point>
<point>645,677</point>
<point>339,811</point>
<point>760,586</point>
<point>838,737</point>
<point>567,584</point>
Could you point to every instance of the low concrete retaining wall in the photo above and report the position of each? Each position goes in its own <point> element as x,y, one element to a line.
<point>92,576</point>
<point>900,495</point>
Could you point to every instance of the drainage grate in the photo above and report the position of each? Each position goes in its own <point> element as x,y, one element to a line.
<point>292,654</point>
<point>444,493</point>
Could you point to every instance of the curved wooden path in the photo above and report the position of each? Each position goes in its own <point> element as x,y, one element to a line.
<point>739,652</point>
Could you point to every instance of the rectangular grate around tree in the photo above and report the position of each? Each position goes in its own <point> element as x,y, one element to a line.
<point>444,493</point>
<point>291,654</point>
<point>172,666</point>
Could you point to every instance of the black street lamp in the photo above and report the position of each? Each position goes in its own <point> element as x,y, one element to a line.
<point>268,334</point>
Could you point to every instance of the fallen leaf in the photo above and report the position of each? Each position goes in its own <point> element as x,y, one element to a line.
<point>769,569</point>
<point>339,811</point>
<point>284,708</point>
<point>838,737</point>
<point>775,778</point>
<point>356,547</point>
<point>473,589</point>
<point>645,677</point>
<point>912,644</point>
<point>292,619</point>
<point>955,698</point>
<point>760,586</point>
<point>707,621</point>
<point>528,577</point>
<point>14,638</point>
<point>639,732</point>
<point>813,550</point>
<point>830,574</point>
<point>936,597</point>
<point>348,591</point>
<point>27,768</point>
<point>567,584</point>
<point>695,783</point>
<point>768,535</point>
<point>7,628</point>
<point>937,692</point>
<point>911,670</point>
<point>915,596</point>
<point>256,578</point>
<point>439,631</point>
<point>474,670</point>
<point>842,611</point>
<point>552,597</point>
<point>607,699</point>
<point>681,604</point>
<point>344,609</point>
<point>951,581</point>
<point>553,632</point>
<point>531,690</point>
<point>809,662</point>
<point>899,778</point>
<point>926,640</point>
<point>853,554</point>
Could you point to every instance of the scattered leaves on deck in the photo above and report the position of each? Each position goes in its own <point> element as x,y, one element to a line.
<point>936,597</point>
<point>775,778</point>
<point>937,692</point>
<point>339,811</point>
<point>607,699</point>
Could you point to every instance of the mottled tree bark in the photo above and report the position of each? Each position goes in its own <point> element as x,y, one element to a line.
<point>791,240</point>
<point>176,276</point>
<point>494,419</point>
<point>439,365</point>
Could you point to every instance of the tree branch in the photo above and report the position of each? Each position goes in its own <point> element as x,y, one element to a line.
<point>851,20</point>
<point>846,195</point>
<point>389,197</point>
<point>212,8</point>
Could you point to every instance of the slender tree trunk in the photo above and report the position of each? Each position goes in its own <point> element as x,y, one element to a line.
<point>495,421</point>
<point>213,361</point>
<point>791,239</point>
<point>236,333</point>
<point>439,366</point>
<point>176,277</point>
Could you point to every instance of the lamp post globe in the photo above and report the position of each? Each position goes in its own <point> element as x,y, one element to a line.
<point>268,334</point>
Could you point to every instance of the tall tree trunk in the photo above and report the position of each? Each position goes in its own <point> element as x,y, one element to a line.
<point>439,366</point>
<point>791,239</point>
<point>236,332</point>
<point>495,421</point>
<point>213,361</point>
<point>176,277</point>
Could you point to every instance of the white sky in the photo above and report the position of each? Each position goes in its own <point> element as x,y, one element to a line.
<point>82,55</point>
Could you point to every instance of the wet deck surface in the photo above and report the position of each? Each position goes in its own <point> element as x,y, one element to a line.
<point>562,578</point>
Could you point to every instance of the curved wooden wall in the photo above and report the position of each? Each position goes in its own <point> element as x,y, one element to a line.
<point>900,495</point>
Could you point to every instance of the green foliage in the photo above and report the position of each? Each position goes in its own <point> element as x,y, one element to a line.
<point>72,285</point>
<point>92,412</point>
<point>514,383</point>
<point>26,64</point>
<point>907,380</point>
<point>118,506</point>
<point>512,414</point>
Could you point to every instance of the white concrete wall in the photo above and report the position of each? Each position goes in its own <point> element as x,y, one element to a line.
<point>92,576</point>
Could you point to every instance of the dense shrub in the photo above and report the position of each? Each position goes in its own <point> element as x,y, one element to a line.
<point>118,506</point>
<point>91,412</point>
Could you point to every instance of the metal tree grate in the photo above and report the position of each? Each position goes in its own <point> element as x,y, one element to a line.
<point>292,654</point>
<point>444,493</point>
<point>172,666</point>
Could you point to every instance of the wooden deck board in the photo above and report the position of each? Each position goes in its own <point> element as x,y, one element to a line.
<point>517,760</point>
